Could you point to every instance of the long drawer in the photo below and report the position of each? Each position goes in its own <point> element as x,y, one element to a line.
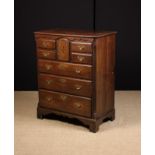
<point>65,84</point>
<point>66,69</point>
<point>64,102</point>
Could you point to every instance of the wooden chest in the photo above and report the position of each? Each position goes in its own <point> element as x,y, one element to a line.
<point>76,75</point>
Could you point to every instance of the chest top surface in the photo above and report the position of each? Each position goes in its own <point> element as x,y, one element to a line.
<point>74,32</point>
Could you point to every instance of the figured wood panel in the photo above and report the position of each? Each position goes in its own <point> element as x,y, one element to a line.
<point>63,49</point>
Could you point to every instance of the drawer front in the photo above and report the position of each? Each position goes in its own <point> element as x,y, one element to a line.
<point>85,47</point>
<point>67,69</point>
<point>81,58</point>
<point>66,103</point>
<point>66,85</point>
<point>46,43</point>
<point>45,54</point>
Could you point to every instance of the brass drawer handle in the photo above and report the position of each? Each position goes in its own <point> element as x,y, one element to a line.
<point>80,58</point>
<point>48,67</point>
<point>78,87</point>
<point>49,99</point>
<point>78,71</point>
<point>49,81</point>
<point>46,54</point>
<point>78,105</point>
<point>81,47</point>
<point>61,66</point>
<point>62,80</point>
<point>63,97</point>
<point>45,44</point>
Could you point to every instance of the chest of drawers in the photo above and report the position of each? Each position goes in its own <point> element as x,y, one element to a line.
<point>76,75</point>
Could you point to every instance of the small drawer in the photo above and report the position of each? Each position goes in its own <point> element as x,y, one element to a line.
<point>66,85</point>
<point>45,54</point>
<point>66,69</point>
<point>81,58</point>
<point>46,43</point>
<point>85,47</point>
<point>65,102</point>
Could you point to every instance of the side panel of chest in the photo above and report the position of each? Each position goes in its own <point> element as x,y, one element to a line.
<point>105,64</point>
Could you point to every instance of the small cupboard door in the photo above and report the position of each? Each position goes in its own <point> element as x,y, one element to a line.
<point>63,49</point>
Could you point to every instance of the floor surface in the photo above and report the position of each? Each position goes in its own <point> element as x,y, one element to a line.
<point>52,137</point>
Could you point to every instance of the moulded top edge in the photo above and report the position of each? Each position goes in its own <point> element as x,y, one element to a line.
<point>80,33</point>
